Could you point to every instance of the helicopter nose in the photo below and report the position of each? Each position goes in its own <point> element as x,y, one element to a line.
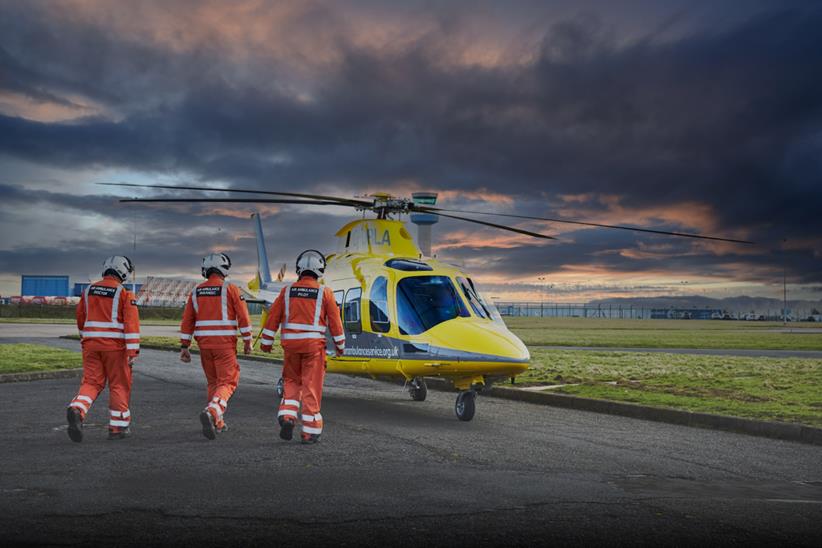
<point>482,339</point>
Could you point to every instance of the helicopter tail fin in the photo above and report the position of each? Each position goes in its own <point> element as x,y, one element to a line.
<point>263,271</point>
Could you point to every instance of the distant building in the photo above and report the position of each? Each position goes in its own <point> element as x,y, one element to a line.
<point>44,286</point>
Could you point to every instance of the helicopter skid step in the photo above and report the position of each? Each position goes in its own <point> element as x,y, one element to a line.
<point>469,383</point>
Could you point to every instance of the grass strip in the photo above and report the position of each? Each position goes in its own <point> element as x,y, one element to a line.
<point>782,389</point>
<point>664,334</point>
<point>24,358</point>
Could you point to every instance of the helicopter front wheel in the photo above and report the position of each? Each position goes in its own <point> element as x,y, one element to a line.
<point>418,389</point>
<point>466,405</point>
<point>280,388</point>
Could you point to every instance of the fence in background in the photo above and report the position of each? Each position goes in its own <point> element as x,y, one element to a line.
<point>570,310</point>
<point>622,312</point>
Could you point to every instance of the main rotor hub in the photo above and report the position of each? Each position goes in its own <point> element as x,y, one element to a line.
<point>385,204</point>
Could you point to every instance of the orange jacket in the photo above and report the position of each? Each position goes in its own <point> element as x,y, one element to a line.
<point>214,311</point>
<point>107,317</point>
<point>305,311</point>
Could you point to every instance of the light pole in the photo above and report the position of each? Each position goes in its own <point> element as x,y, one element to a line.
<point>545,286</point>
<point>542,280</point>
<point>784,284</point>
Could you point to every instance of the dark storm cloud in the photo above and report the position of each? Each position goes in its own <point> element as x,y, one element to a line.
<point>730,118</point>
<point>625,253</point>
<point>169,239</point>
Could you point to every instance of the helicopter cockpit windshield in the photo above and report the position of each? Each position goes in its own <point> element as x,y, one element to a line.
<point>481,307</point>
<point>425,301</point>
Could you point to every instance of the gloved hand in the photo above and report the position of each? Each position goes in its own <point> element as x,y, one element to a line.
<point>132,360</point>
<point>185,355</point>
<point>246,347</point>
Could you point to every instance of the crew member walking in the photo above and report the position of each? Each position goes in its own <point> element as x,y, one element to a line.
<point>304,310</point>
<point>213,312</point>
<point>109,325</point>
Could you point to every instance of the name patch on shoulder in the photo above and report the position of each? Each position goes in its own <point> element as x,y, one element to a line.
<point>304,292</point>
<point>102,291</point>
<point>213,291</point>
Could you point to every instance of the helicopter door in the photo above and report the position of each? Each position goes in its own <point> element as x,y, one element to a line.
<point>330,347</point>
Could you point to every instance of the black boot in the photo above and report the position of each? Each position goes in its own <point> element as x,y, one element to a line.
<point>209,429</point>
<point>287,430</point>
<point>75,424</point>
<point>310,439</point>
<point>119,434</point>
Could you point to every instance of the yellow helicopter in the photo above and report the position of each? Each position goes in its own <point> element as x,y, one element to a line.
<point>405,315</point>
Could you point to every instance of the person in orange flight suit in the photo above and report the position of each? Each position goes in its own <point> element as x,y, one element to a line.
<point>213,313</point>
<point>304,310</point>
<point>109,325</point>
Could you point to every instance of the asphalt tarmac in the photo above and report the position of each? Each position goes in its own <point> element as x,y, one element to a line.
<point>388,470</point>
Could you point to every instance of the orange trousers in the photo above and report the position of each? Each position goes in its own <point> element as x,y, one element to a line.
<point>222,373</point>
<point>303,376</point>
<point>101,368</point>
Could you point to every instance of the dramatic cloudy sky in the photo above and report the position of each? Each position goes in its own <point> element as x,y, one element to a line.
<point>688,115</point>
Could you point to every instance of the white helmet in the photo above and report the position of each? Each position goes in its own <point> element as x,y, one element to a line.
<point>218,261</point>
<point>120,264</point>
<point>311,260</point>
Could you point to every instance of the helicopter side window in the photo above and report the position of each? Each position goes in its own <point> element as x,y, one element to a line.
<point>473,298</point>
<point>378,306</point>
<point>351,310</point>
<point>425,301</point>
<point>338,298</point>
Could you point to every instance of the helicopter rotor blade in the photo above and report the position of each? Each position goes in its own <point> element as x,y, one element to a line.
<point>233,201</point>
<point>317,202</point>
<point>485,223</point>
<point>434,210</point>
<point>346,201</point>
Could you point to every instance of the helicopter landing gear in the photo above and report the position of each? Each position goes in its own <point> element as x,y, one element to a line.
<point>418,389</point>
<point>280,388</point>
<point>466,405</point>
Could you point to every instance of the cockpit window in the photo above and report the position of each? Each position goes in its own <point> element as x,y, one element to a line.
<point>425,301</point>
<point>473,298</point>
